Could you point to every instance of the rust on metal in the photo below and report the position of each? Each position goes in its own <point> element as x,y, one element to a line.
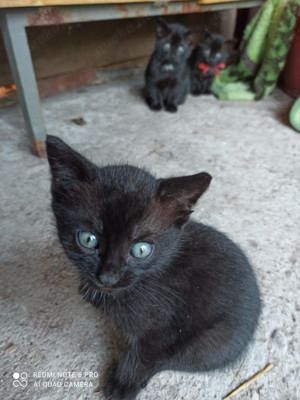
<point>190,7</point>
<point>165,9</point>
<point>123,10</point>
<point>161,8</point>
<point>68,14</point>
<point>47,16</point>
<point>39,148</point>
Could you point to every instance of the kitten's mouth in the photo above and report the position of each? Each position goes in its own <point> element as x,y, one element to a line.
<point>121,286</point>
<point>168,67</point>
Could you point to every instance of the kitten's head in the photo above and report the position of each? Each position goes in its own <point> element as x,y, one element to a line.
<point>213,50</point>
<point>117,224</point>
<point>173,45</point>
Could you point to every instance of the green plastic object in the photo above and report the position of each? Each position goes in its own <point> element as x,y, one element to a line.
<point>263,52</point>
<point>295,115</point>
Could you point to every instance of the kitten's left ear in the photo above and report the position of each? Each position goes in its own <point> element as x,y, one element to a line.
<point>162,28</point>
<point>66,165</point>
<point>178,195</point>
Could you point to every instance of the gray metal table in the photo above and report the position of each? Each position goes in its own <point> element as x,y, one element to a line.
<point>15,20</point>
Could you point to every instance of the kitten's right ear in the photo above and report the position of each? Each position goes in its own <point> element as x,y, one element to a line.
<point>190,37</point>
<point>230,44</point>
<point>65,163</point>
<point>176,196</point>
<point>162,28</point>
<point>206,34</point>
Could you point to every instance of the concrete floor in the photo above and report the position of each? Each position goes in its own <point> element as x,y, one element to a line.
<point>255,161</point>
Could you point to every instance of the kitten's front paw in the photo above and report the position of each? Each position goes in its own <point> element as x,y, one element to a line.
<point>115,391</point>
<point>171,108</point>
<point>111,382</point>
<point>155,107</point>
<point>196,92</point>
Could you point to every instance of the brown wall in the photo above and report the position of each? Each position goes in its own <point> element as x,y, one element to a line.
<point>64,48</point>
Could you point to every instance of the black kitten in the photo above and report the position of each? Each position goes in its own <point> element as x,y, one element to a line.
<point>167,74</point>
<point>184,295</point>
<point>207,60</point>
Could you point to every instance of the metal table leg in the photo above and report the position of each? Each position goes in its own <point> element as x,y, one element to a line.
<point>13,24</point>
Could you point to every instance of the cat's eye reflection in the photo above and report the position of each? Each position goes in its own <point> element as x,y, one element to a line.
<point>218,56</point>
<point>88,240</point>
<point>141,249</point>
<point>206,52</point>
<point>166,47</point>
<point>180,50</point>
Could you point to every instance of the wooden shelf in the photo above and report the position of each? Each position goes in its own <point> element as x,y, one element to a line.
<point>44,3</point>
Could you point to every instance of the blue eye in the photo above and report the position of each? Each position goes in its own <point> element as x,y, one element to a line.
<point>166,47</point>
<point>88,240</point>
<point>141,249</point>
<point>218,56</point>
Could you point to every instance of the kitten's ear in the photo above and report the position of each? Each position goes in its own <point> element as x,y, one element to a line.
<point>66,164</point>
<point>230,44</point>
<point>206,34</point>
<point>178,195</point>
<point>162,28</point>
<point>190,38</point>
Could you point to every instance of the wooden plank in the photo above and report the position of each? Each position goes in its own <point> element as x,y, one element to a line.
<point>41,3</point>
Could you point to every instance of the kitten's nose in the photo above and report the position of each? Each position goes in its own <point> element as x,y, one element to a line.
<point>109,279</point>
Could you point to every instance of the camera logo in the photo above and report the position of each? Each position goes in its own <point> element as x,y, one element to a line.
<point>20,379</point>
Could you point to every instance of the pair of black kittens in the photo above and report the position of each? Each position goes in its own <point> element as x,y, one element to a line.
<point>183,295</point>
<point>177,67</point>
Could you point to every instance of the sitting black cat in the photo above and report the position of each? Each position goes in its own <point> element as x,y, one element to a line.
<point>183,294</point>
<point>208,58</point>
<point>167,74</point>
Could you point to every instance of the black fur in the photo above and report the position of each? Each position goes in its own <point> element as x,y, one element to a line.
<point>212,50</point>
<point>167,74</point>
<point>191,306</point>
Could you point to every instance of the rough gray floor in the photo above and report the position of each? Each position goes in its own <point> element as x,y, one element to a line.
<point>255,161</point>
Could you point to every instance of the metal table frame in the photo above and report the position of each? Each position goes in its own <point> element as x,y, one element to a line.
<point>15,20</point>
